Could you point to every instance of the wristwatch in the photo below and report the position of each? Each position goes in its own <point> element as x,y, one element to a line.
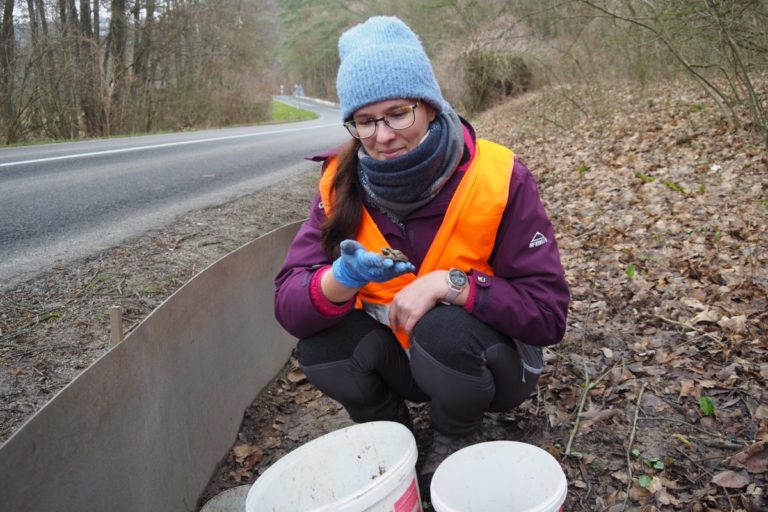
<point>457,281</point>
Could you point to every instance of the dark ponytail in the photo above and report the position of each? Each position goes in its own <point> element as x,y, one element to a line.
<point>347,207</point>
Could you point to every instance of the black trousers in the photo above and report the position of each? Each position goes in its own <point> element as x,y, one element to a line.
<point>460,365</point>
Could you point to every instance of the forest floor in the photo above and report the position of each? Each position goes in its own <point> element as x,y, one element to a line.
<point>655,400</point>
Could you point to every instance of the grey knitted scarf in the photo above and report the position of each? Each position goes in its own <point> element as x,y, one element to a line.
<point>401,185</point>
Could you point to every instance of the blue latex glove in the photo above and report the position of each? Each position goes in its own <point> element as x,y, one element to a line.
<point>356,267</point>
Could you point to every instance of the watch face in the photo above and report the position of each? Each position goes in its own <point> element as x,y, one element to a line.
<point>457,277</point>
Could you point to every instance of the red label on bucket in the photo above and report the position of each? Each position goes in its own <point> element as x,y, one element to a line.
<point>409,501</point>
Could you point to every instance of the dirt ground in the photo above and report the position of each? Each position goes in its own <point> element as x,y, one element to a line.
<point>655,400</point>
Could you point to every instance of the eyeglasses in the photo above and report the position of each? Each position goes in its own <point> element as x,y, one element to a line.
<point>398,119</point>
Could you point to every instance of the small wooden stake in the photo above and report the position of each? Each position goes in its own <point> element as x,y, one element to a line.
<point>116,324</point>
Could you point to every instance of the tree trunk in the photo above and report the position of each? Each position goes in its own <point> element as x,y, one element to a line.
<point>143,67</point>
<point>7,44</point>
<point>96,22</point>
<point>33,27</point>
<point>63,12</point>
<point>41,16</point>
<point>91,95</point>
<point>7,58</point>
<point>85,19</point>
<point>116,45</point>
<point>137,37</point>
<point>74,22</point>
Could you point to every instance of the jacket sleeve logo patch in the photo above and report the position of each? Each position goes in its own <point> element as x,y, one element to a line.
<point>537,240</point>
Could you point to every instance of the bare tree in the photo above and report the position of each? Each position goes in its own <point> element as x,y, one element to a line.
<point>7,59</point>
<point>96,22</point>
<point>92,90</point>
<point>115,59</point>
<point>718,42</point>
<point>167,65</point>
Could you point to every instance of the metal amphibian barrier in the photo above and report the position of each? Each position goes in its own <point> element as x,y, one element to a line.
<point>143,428</point>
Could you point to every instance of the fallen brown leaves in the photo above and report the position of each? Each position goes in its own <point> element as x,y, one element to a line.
<point>661,211</point>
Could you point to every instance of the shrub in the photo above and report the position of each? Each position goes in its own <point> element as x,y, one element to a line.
<point>491,75</point>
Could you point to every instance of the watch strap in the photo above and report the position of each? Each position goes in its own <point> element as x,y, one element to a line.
<point>454,290</point>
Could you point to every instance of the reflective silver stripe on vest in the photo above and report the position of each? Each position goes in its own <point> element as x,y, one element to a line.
<point>379,312</point>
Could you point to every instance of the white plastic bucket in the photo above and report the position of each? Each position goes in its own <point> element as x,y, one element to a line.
<point>366,467</point>
<point>499,476</point>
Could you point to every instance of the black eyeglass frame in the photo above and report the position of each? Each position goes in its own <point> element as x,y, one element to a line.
<point>351,125</point>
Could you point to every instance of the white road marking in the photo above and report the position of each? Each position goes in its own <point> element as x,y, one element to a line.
<point>156,146</point>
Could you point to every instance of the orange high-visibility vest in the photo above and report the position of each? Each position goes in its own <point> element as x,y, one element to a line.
<point>465,238</point>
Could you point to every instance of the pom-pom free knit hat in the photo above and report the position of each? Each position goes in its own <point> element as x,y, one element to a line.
<point>383,59</point>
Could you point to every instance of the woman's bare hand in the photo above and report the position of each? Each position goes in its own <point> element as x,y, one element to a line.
<point>413,301</point>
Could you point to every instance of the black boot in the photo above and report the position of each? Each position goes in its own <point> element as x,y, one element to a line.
<point>403,417</point>
<point>439,447</point>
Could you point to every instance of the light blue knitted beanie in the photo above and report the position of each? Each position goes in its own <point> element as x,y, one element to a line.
<point>383,59</point>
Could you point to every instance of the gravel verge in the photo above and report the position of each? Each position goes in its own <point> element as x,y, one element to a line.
<point>55,325</point>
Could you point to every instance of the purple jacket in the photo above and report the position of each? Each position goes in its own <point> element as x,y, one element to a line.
<point>526,298</point>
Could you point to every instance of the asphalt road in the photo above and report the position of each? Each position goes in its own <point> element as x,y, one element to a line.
<point>59,202</point>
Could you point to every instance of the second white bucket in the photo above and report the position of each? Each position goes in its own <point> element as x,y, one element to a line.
<point>499,476</point>
<point>367,467</point>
